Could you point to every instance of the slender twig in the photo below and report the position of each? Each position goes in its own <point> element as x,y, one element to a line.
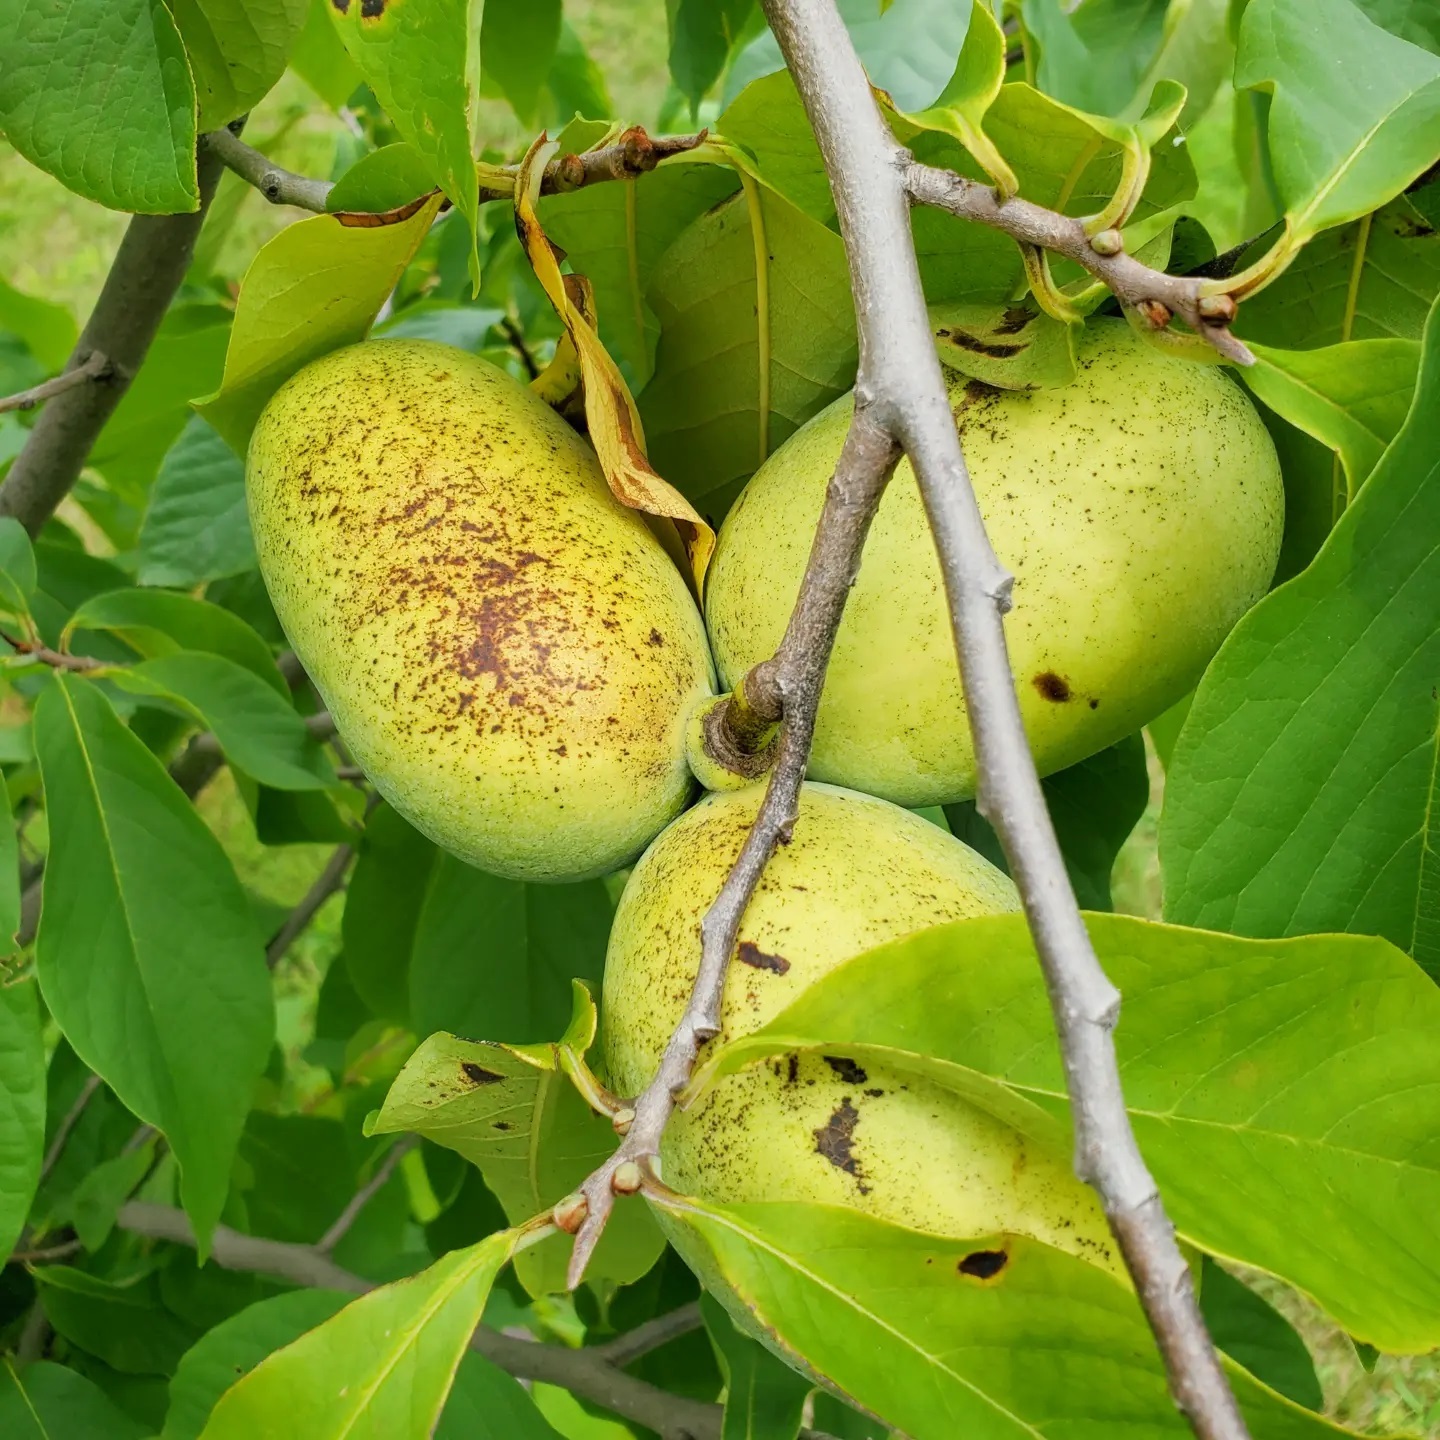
<point>366,1193</point>
<point>872,179</point>
<point>144,276</point>
<point>274,182</point>
<point>626,1349</point>
<point>791,683</point>
<point>57,659</point>
<point>35,1336</point>
<point>95,367</point>
<point>329,880</point>
<point>1152,295</point>
<point>49,1254</point>
<point>586,1372</point>
<point>632,154</point>
<point>68,1123</point>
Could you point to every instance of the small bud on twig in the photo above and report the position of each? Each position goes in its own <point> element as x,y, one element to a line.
<point>569,1214</point>
<point>1216,309</point>
<point>1155,313</point>
<point>622,1120</point>
<point>627,1179</point>
<point>1107,242</point>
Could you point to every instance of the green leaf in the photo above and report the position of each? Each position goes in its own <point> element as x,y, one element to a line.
<point>22,1105</point>
<point>234,1348</point>
<point>1301,795</point>
<point>125,1324</point>
<point>313,288</point>
<point>924,1331</point>
<point>419,60</point>
<point>98,93</point>
<point>160,622</point>
<point>616,235</point>
<point>10,851</point>
<point>764,1398</point>
<point>320,59</point>
<point>512,1112</point>
<point>1015,347</point>
<point>1414,20</point>
<point>147,953</point>
<point>385,179</point>
<point>196,527</point>
<point>1285,1093</point>
<point>702,34</point>
<point>1374,279</point>
<point>1352,397</point>
<point>576,83</point>
<point>748,352</point>
<point>45,1401</point>
<point>1338,151</point>
<point>258,731</point>
<point>47,329</point>
<point>1094,56</point>
<point>488,1404</point>
<point>105,1189</point>
<point>379,1369</point>
<point>518,39</point>
<point>768,121</point>
<point>1093,805</point>
<point>17,566</point>
<point>1249,1329</point>
<point>237,50</point>
<point>186,358</point>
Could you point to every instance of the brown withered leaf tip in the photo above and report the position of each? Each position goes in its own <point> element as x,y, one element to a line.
<point>749,953</point>
<point>374,219</point>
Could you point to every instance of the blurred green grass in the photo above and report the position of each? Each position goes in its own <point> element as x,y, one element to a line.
<point>56,244</point>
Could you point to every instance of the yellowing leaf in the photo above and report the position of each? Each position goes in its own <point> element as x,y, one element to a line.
<point>610,413</point>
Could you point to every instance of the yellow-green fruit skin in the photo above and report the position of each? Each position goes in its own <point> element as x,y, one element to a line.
<point>507,650</point>
<point>857,872</point>
<point>1139,508</point>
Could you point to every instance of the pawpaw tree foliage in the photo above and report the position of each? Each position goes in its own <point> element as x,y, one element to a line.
<point>293,1170</point>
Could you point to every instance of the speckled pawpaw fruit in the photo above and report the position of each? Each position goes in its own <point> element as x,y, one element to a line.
<point>1139,509</point>
<point>506,649</point>
<point>857,872</point>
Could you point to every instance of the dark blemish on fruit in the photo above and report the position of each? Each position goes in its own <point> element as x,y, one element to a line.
<point>792,1069</point>
<point>478,1074</point>
<point>749,953</point>
<point>1094,704</point>
<point>846,1069</point>
<point>983,1264</point>
<point>835,1140</point>
<point>875,1094</point>
<point>1053,687</point>
<point>656,638</point>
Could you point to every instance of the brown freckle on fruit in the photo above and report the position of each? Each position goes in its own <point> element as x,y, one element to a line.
<point>792,1069</point>
<point>983,1264</point>
<point>1053,687</point>
<point>835,1140</point>
<point>478,1074</point>
<point>656,638</point>
<point>749,953</point>
<point>1094,704</point>
<point>875,1094</point>
<point>846,1069</point>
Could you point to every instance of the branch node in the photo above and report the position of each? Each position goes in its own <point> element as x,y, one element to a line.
<point>1155,313</point>
<point>628,1178</point>
<point>1216,309</point>
<point>569,1214</point>
<point>622,1120</point>
<point>1108,242</point>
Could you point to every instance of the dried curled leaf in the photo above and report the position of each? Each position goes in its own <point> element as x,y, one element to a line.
<point>610,413</point>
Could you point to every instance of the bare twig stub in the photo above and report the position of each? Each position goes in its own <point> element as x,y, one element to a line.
<point>146,273</point>
<point>873,179</point>
<point>94,367</point>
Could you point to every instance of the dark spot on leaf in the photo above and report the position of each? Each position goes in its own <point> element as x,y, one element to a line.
<point>372,9</point>
<point>1413,229</point>
<point>343,6</point>
<point>835,1140</point>
<point>984,1264</point>
<point>749,953</point>
<point>478,1074</point>
<point>1053,687</point>
<point>1014,320</point>
<point>501,1125</point>
<point>1094,704</point>
<point>966,341</point>
<point>792,1069</point>
<point>846,1069</point>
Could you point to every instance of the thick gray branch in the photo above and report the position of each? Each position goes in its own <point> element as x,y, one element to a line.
<point>147,271</point>
<point>901,384</point>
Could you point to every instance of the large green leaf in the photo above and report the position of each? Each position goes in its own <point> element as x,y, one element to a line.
<point>421,61</point>
<point>487,1404</point>
<point>990,1337</point>
<point>378,1370</point>
<point>512,1112</point>
<point>98,93</point>
<point>757,334</point>
<point>616,234</point>
<point>313,288</point>
<point>518,39</point>
<point>123,1322</point>
<point>1094,56</point>
<point>1417,21</point>
<point>234,1348</point>
<point>148,955</point>
<point>47,329</point>
<point>1286,1093</point>
<point>764,1398</point>
<point>9,868</point>
<point>22,1104</point>
<point>1249,1329</point>
<point>1301,795</point>
<point>196,527</point>
<point>258,731</point>
<point>237,50</point>
<point>45,1401</point>
<point>1338,150</point>
<point>702,34</point>
<point>768,121</point>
